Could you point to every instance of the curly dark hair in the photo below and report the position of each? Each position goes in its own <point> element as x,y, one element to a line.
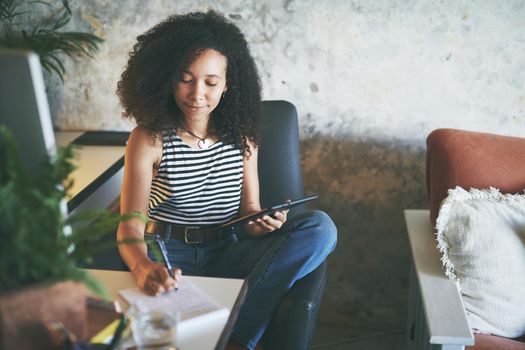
<point>164,51</point>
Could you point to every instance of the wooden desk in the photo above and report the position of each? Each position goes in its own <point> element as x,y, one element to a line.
<point>227,292</point>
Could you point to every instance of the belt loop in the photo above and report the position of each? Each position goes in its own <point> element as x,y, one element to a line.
<point>167,238</point>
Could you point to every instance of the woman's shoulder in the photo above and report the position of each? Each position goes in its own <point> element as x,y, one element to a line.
<point>142,136</point>
<point>144,143</point>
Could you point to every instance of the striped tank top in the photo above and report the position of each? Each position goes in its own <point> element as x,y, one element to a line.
<point>196,186</point>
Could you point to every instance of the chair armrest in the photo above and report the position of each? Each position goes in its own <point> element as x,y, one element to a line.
<point>293,324</point>
<point>444,311</point>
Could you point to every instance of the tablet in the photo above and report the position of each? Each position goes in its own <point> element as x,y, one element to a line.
<point>268,211</point>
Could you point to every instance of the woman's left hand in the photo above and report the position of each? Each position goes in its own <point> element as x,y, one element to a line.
<point>267,223</point>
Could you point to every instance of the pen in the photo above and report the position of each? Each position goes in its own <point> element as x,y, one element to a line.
<point>118,332</point>
<point>164,253</point>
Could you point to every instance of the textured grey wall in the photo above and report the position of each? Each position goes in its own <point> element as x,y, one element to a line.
<point>370,79</point>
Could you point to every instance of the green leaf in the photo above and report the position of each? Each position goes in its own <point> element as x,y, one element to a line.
<point>62,20</point>
<point>7,10</point>
<point>35,247</point>
<point>48,41</point>
<point>155,249</point>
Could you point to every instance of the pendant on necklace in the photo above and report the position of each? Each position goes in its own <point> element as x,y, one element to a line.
<point>203,143</point>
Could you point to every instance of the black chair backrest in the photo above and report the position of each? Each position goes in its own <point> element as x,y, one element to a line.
<point>279,166</point>
<point>279,163</point>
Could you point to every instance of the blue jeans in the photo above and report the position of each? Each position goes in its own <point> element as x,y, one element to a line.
<point>271,265</point>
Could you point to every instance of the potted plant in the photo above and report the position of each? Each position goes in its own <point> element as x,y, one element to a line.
<point>18,29</point>
<point>41,248</point>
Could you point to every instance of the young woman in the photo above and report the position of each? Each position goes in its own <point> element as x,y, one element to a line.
<point>193,89</point>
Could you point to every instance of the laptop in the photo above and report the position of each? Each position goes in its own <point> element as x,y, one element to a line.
<point>24,108</point>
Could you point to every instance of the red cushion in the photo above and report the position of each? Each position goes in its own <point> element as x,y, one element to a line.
<point>492,342</point>
<point>472,159</point>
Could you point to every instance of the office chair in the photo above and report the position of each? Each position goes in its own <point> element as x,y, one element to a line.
<point>280,178</point>
<point>292,326</point>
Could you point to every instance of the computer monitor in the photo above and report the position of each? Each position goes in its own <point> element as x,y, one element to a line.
<point>24,108</point>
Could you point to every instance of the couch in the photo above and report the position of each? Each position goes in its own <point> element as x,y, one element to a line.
<point>437,318</point>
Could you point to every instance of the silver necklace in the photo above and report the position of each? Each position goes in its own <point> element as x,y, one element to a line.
<point>203,143</point>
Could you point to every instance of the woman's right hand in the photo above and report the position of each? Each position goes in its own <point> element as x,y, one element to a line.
<point>153,278</point>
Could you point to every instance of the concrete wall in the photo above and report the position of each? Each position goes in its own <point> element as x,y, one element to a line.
<point>370,80</point>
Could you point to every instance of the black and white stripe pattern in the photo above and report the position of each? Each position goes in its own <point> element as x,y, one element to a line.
<point>196,186</point>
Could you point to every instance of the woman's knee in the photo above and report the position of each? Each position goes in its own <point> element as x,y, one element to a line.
<point>321,229</point>
<point>327,229</point>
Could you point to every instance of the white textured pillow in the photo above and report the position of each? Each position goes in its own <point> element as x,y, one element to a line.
<point>481,234</point>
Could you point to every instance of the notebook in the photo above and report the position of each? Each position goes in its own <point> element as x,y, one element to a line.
<point>195,307</point>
